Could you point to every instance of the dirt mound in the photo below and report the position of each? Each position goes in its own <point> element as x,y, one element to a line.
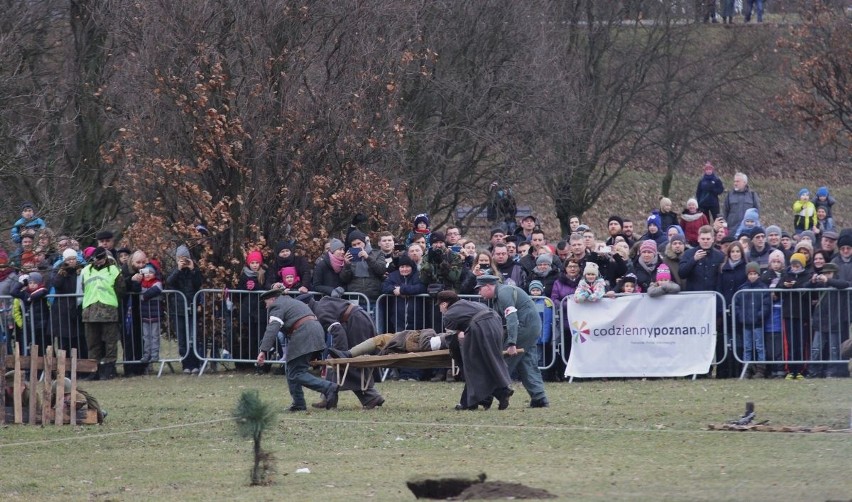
<point>493,490</point>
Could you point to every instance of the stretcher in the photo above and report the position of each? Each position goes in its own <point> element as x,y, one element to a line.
<point>416,360</point>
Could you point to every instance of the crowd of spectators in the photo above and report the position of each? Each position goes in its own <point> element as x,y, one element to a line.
<point>717,242</point>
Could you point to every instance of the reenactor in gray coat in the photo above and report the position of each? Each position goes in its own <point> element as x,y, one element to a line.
<point>523,328</point>
<point>305,338</point>
<point>348,325</point>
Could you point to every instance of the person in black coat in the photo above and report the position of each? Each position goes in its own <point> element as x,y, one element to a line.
<point>326,277</point>
<point>65,320</point>
<point>707,193</point>
<point>796,312</point>
<point>187,279</point>
<point>732,275</point>
<point>405,309</point>
<point>285,256</point>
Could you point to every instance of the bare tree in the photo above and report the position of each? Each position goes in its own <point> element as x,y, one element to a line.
<point>820,96</point>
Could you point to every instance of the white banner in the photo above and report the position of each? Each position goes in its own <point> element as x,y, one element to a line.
<point>640,336</point>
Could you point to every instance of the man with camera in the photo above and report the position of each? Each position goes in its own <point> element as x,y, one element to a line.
<point>446,268</point>
<point>363,270</point>
<point>103,286</point>
<point>187,279</point>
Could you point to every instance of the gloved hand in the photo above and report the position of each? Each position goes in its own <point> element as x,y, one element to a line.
<point>24,279</point>
<point>337,292</point>
<point>358,219</point>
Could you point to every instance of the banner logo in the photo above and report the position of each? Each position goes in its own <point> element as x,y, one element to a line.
<point>580,331</point>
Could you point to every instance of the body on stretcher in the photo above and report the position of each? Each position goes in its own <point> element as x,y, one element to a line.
<point>418,360</point>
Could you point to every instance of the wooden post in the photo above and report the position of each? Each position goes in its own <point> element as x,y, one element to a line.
<point>45,388</point>
<point>17,387</point>
<point>74,385</point>
<point>34,359</point>
<point>3,385</point>
<point>59,410</point>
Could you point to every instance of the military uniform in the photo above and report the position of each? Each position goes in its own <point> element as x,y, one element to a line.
<point>523,327</point>
<point>485,370</point>
<point>348,326</point>
<point>305,338</point>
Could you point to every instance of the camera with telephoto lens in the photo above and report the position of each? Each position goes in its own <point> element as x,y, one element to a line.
<point>436,256</point>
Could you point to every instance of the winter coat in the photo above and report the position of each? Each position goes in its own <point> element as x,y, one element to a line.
<point>731,277</point>
<point>796,304</point>
<point>672,260</point>
<point>831,311</point>
<point>666,220</point>
<point>691,223</point>
<point>187,282</point>
<point>370,285</point>
<point>586,292</point>
<point>252,310</point>
<point>736,204</point>
<point>667,288</point>
<point>150,307</point>
<point>35,309</point>
<point>407,310</point>
<point>761,257</point>
<point>563,287</point>
<point>707,193</point>
<point>644,278</point>
<point>325,279</point>
<point>65,312</point>
<point>701,275</point>
<point>752,308</point>
<point>303,268</point>
<point>546,280</point>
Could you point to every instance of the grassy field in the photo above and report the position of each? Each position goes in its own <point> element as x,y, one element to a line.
<point>172,438</point>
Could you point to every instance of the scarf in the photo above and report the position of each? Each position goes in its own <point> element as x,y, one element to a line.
<point>691,216</point>
<point>650,268</point>
<point>336,263</point>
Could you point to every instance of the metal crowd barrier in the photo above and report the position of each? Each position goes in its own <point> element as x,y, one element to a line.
<point>229,326</point>
<point>60,324</point>
<point>565,333</point>
<point>7,322</point>
<point>163,316</point>
<point>791,331</point>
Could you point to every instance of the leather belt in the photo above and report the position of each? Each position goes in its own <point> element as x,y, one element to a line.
<point>298,324</point>
<point>345,317</point>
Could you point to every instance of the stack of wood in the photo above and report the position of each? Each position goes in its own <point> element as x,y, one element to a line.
<point>26,400</point>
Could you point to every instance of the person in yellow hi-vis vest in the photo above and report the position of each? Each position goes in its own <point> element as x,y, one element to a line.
<point>102,287</point>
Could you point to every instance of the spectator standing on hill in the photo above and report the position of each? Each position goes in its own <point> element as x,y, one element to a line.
<point>502,207</point>
<point>825,200</point>
<point>28,220</point>
<point>707,193</point>
<point>804,212</point>
<point>740,199</point>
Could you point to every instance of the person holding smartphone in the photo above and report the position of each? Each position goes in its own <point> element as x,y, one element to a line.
<point>187,279</point>
<point>363,270</point>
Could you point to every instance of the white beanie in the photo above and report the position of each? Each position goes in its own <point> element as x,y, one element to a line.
<point>68,253</point>
<point>591,268</point>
